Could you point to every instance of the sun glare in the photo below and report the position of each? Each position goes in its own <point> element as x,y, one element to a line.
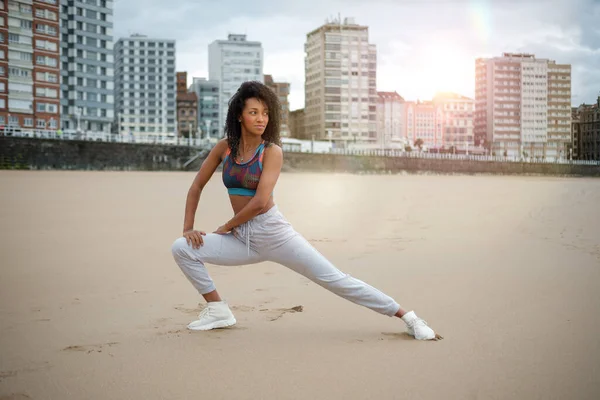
<point>442,68</point>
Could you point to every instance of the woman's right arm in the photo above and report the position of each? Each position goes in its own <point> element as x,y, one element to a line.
<point>206,171</point>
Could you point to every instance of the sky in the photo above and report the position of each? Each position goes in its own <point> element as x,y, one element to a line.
<point>423,46</point>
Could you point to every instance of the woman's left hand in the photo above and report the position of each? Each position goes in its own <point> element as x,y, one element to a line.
<point>222,230</point>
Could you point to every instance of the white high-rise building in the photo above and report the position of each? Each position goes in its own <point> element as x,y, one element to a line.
<point>232,62</point>
<point>523,106</point>
<point>340,83</point>
<point>145,85</point>
<point>87,64</point>
<point>208,106</point>
<point>391,121</point>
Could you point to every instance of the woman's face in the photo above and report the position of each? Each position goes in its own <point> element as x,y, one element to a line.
<point>255,117</point>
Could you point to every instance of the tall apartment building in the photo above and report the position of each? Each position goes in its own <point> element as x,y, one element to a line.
<point>297,125</point>
<point>523,105</point>
<point>87,65</point>
<point>282,90</point>
<point>187,108</point>
<point>457,120</point>
<point>29,68</point>
<point>575,132</point>
<point>232,62</point>
<point>589,125</point>
<point>340,83</point>
<point>145,85</point>
<point>208,106</point>
<point>391,117</point>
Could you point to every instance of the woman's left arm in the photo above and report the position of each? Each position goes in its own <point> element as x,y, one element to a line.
<point>272,163</point>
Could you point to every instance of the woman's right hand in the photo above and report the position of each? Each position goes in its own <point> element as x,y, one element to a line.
<point>194,238</point>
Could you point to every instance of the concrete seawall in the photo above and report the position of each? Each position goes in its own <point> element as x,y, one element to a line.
<point>25,153</point>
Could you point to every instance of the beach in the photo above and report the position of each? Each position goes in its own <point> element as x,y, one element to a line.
<point>506,268</point>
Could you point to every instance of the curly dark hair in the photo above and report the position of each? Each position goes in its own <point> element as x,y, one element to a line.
<point>233,128</point>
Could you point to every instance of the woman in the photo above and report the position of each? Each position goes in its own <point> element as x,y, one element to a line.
<point>258,231</point>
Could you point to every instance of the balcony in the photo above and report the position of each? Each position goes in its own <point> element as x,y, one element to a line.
<point>14,94</point>
<point>20,47</point>
<point>20,31</point>
<point>18,14</point>
<point>20,110</point>
<point>20,79</point>
<point>20,63</point>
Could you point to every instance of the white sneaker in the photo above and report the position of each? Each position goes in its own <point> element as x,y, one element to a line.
<point>216,315</point>
<point>418,328</point>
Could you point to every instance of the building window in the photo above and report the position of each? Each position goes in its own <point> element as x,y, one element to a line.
<point>28,121</point>
<point>41,123</point>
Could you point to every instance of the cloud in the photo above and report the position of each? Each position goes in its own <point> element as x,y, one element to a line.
<point>420,43</point>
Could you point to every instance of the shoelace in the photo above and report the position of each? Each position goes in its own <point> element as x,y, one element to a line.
<point>416,322</point>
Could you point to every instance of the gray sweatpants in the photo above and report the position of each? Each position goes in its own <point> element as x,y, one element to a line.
<point>270,237</point>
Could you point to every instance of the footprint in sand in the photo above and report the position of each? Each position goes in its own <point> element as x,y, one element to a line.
<point>89,348</point>
<point>275,314</point>
<point>242,308</point>
<point>16,396</point>
<point>7,374</point>
<point>174,332</point>
<point>14,373</point>
<point>396,336</point>
<point>190,311</point>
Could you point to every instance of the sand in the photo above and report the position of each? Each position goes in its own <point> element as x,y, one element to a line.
<point>507,269</point>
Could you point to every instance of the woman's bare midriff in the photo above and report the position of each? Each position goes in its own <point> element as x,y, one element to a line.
<point>239,202</point>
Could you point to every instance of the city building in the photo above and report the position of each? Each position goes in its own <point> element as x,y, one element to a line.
<point>424,122</point>
<point>391,119</point>
<point>282,90</point>
<point>29,65</point>
<point>457,121</point>
<point>589,142</point>
<point>207,92</point>
<point>87,65</point>
<point>232,62</point>
<point>145,86</point>
<point>575,132</point>
<point>523,106</point>
<point>340,83</point>
<point>297,127</point>
<point>187,108</point>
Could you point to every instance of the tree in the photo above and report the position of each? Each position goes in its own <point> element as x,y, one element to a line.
<point>419,143</point>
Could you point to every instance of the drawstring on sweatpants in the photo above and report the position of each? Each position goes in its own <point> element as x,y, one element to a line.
<point>248,230</point>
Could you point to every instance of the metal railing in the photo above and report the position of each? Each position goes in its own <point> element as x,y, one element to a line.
<point>450,156</point>
<point>164,139</point>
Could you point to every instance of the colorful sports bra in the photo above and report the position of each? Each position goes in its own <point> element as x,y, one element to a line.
<point>242,179</point>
